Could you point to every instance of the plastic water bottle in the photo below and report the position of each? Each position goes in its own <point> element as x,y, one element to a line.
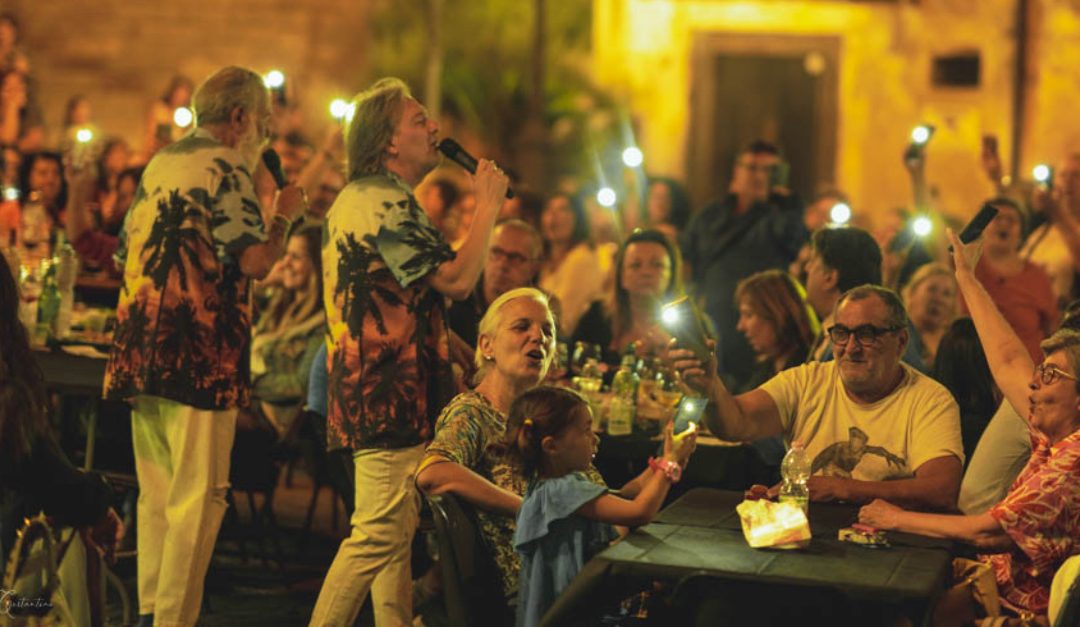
<point>67,267</point>
<point>623,399</point>
<point>795,470</point>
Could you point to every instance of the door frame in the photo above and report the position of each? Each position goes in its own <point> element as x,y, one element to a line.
<point>705,178</point>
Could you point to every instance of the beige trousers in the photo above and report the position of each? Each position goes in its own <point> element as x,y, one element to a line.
<point>182,462</point>
<point>376,555</point>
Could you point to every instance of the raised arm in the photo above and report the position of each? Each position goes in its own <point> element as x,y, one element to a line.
<point>1010,362</point>
<point>743,418</point>
<point>457,277</point>
<point>257,259</point>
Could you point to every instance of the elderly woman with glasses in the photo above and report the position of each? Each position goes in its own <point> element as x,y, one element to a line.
<point>1028,535</point>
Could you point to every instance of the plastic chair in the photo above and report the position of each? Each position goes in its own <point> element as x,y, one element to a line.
<point>470,579</point>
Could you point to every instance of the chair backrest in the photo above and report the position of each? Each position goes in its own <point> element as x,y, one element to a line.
<point>470,580</point>
<point>1067,585</point>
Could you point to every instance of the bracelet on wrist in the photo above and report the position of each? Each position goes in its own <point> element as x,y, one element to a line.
<point>670,469</point>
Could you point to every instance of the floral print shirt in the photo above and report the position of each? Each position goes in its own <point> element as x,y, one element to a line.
<point>388,350</point>
<point>184,315</point>
<point>470,432</point>
<point>1041,514</point>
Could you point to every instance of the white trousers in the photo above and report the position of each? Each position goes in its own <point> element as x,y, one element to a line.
<point>376,556</point>
<point>182,462</point>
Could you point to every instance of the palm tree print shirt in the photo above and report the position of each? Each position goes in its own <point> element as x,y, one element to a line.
<point>184,316</point>
<point>388,352</point>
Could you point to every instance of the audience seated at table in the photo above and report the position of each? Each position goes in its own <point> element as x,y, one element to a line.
<point>289,332</point>
<point>777,321</point>
<point>514,351</point>
<point>35,475</point>
<point>1003,450</point>
<point>569,269</point>
<point>961,367</point>
<point>160,127</point>
<point>780,326</point>
<point>21,119</point>
<point>1027,536</point>
<point>42,204</point>
<point>667,207</point>
<point>842,259</point>
<point>565,517</point>
<point>873,426</point>
<point>1020,289</point>
<point>930,298</point>
<point>648,273</point>
<point>513,261</point>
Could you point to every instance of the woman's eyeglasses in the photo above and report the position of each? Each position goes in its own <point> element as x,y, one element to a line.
<point>1048,373</point>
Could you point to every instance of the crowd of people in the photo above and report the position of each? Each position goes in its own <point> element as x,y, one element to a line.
<point>940,391</point>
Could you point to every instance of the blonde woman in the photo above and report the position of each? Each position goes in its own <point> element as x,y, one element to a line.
<point>289,332</point>
<point>930,298</point>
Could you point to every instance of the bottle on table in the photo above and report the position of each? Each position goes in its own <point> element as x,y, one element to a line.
<point>623,398</point>
<point>795,470</point>
<point>67,267</point>
<point>589,382</point>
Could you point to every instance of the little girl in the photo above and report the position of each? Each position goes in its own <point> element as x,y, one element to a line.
<point>565,518</point>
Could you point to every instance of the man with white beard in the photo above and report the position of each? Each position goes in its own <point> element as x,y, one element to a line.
<point>191,244</point>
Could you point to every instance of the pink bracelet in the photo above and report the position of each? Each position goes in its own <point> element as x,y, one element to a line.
<point>670,469</point>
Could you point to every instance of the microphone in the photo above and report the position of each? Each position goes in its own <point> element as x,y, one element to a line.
<point>458,155</point>
<point>272,162</point>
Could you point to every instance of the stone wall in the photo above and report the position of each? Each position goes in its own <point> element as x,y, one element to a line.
<point>643,49</point>
<point>122,53</point>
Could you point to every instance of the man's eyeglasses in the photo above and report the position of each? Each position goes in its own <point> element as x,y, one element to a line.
<point>1048,373</point>
<point>512,258</point>
<point>864,334</point>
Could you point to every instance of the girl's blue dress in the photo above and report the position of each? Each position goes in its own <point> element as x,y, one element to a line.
<point>553,542</point>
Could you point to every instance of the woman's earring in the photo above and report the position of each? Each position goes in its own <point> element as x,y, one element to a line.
<point>489,358</point>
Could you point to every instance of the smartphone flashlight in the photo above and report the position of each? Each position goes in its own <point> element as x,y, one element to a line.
<point>183,117</point>
<point>84,135</point>
<point>683,322</point>
<point>921,134</point>
<point>341,110</point>
<point>922,226</point>
<point>274,79</point>
<point>840,213</point>
<point>1043,175</point>
<point>11,193</point>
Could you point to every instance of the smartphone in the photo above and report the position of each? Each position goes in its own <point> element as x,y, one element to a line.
<point>683,321</point>
<point>689,411</point>
<point>779,175</point>
<point>1044,176</point>
<point>978,224</point>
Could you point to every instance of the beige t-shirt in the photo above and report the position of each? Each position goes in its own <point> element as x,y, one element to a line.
<point>885,440</point>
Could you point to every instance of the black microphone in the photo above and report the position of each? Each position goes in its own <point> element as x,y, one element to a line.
<point>458,155</point>
<point>272,162</point>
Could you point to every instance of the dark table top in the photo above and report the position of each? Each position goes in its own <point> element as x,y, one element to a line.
<point>71,374</point>
<point>700,534</point>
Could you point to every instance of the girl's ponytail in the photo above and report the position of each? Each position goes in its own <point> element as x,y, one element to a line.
<point>538,413</point>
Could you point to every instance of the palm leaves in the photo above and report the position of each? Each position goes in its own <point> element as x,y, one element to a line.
<point>171,242</point>
<point>183,338</point>
<point>359,286</point>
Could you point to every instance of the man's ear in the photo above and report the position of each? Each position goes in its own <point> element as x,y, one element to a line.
<point>904,336</point>
<point>831,278</point>
<point>238,116</point>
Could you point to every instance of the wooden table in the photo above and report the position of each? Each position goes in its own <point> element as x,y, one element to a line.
<point>697,546</point>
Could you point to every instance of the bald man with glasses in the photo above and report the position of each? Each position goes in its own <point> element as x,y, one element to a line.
<point>873,426</point>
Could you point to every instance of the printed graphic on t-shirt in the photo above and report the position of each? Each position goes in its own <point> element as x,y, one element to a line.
<point>840,458</point>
